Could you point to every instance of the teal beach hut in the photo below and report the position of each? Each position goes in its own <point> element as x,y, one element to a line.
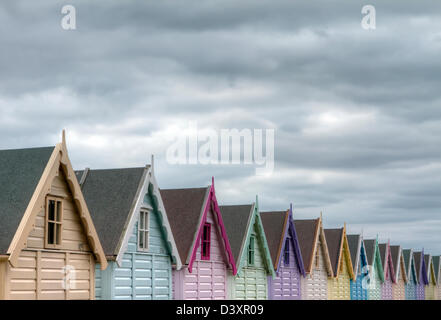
<point>359,264</point>
<point>131,222</point>
<point>250,250</point>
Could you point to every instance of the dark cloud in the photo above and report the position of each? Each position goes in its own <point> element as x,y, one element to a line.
<point>356,113</point>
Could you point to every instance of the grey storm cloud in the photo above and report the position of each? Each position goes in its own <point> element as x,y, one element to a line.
<point>356,113</point>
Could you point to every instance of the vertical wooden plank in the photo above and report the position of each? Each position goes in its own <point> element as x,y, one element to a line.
<point>38,272</point>
<point>2,279</point>
<point>133,276</point>
<point>7,278</point>
<point>67,279</point>
<point>92,277</point>
<point>153,278</point>
<point>170,281</point>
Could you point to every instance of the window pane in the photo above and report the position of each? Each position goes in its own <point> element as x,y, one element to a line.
<point>58,233</point>
<point>141,221</point>
<point>50,233</point>
<point>141,240</point>
<point>51,210</point>
<point>58,207</point>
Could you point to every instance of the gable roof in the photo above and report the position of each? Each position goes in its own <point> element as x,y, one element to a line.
<point>236,220</point>
<point>187,210</point>
<point>386,261</point>
<point>274,223</point>
<point>111,195</point>
<point>58,160</point>
<point>239,221</point>
<point>277,225</point>
<point>20,172</point>
<point>338,248</point>
<point>436,267</point>
<point>420,266</point>
<point>309,232</point>
<point>373,255</point>
<point>409,264</point>
<point>429,268</point>
<point>334,239</point>
<point>397,260</point>
<point>354,243</point>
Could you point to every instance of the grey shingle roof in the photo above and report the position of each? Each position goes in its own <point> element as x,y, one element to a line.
<point>235,220</point>
<point>369,246</point>
<point>20,172</point>
<point>407,261</point>
<point>184,207</point>
<point>273,224</point>
<point>354,244</point>
<point>417,261</point>
<point>306,231</point>
<point>333,240</point>
<point>436,266</point>
<point>395,253</point>
<point>110,195</point>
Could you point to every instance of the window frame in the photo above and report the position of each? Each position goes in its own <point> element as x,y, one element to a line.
<point>206,242</point>
<point>58,213</point>
<point>251,251</point>
<point>144,230</point>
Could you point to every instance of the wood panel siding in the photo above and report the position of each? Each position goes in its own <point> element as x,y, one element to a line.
<point>251,282</point>
<point>143,275</point>
<point>315,284</point>
<point>73,235</point>
<point>208,279</point>
<point>286,285</point>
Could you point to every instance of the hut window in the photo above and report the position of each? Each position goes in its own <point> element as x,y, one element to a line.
<point>205,243</point>
<point>54,218</point>
<point>251,251</point>
<point>286,253</point>
<point>143,230</point>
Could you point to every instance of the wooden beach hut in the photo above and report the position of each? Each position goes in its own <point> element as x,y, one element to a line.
<point>285,253</point>
<point>202,243</point>
<point>315,255</point>
<point>399,288</point>
<point>388,271</point>
<point>359,265</point>
<point>412,279</point>
<point>250,251</point>
<point>132,223</point>
<point>423,281</point>
<point>430,291</point>
<point>376,274</point>
<point>339,286</point>
<point>48,242</point>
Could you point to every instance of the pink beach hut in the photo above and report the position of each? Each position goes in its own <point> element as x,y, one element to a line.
<point>202,244</point>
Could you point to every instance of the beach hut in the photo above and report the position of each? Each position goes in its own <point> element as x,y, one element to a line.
<point>437,268</point>
<point>285,254</point>
<point>339,286</point>
<point>202,243</point>
<point>359,265</point>
<point>376,274</point>
<point>412,279</point>
<point>316,260</point>
<point>399,288</point>
<point>388,271</point>
<point>423,281</point>
<point>430,290</point>
<point>132,224</point>
<point>48,242</point>
<point>250,251</point>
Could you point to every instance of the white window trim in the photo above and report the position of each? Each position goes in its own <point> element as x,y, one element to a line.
<point>145,232</point>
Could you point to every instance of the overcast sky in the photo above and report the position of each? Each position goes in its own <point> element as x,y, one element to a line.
<point>356,113</point>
